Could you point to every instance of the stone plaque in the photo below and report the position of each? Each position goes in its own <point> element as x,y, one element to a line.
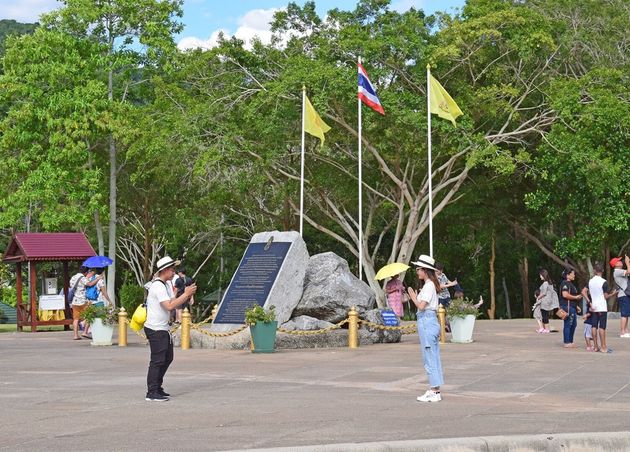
<point>271,272</point>
<point>253,280</point>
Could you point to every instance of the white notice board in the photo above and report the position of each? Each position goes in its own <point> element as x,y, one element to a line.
<point>50,302</point>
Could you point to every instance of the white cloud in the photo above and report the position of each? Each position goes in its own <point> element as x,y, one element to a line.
<point>255,23</point>
<point>191,42</point>
<point>26,10</point>
<point>404,5</point>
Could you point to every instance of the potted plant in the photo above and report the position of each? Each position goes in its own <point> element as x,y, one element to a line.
<point>262,324</point>
<point>102,320</point>
<point>462,313</point>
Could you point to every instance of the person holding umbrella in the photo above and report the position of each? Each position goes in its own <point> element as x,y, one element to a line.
<point>103,298</point>
<point>78,283</point>
<point>394,289</point>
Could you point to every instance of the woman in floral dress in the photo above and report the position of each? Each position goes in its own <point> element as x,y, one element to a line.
<point>395,289</point>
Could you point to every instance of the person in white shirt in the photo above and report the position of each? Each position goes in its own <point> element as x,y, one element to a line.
<point>596,294</point>
<point>622,281</point>
<point>103,297</point>
<point>428,326</point>
<point>160,302</point>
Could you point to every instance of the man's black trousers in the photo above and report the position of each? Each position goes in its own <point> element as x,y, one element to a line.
<point>161,357</point>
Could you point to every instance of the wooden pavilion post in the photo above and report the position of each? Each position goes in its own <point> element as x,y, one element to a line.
<point>18,288</point>
<point>33,297</point>
<point>66,286</point>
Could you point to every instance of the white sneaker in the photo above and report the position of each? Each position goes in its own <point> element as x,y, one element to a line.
<point>428,391</point>
<point>625,335</point>
<point>430,396</point>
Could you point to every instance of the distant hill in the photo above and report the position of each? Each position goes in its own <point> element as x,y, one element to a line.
<point>12,27</point>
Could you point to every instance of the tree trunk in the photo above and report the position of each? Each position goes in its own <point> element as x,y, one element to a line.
<point>493,300</point>
<point>97,220</point>
<point>111,270</point>
<point>607,268</point>
<point>523,268</point>
<point>507,300</point>
<point>148,242</point>
<point>99,233</point>
<point>113,169</point>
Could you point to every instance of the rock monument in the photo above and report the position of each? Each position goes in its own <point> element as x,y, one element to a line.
<point>271,272</point>
<point>330,290</point>
<point>308,294</point>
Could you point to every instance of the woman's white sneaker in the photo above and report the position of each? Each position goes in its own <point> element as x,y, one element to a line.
<point>430,396</point>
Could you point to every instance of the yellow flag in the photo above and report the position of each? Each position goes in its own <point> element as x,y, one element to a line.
<point>442,104</point>
<point>313,124</point>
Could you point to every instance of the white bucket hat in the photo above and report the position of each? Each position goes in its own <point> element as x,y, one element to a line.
<point>425,261</point>
<point>166,262</point>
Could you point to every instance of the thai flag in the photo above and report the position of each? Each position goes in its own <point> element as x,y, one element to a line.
<point>367,93</point>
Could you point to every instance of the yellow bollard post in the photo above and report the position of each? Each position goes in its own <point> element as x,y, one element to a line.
<point>442,319</point>
<point>185,329</point>
<point>122,328</point>
<point>353,328</point>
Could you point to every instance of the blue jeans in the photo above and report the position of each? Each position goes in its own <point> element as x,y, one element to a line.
<point>429,334</point>
<point>569,324</point>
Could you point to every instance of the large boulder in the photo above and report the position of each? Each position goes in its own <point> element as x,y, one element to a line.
<point>330,290</point>
<point>305,323</point>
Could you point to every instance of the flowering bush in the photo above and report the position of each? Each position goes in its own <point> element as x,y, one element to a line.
<point>109,316</point>
<point>461,307</point>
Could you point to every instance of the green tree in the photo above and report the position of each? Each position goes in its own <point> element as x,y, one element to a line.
<point>249,121</point>
<point>136,37</point>
<point>57,105</point>
<point>9,27</point>
<point>582,189</point>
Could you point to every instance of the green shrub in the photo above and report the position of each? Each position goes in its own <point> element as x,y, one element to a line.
<point>108,316</point>
<point>9,296</point>
<point>255,313</point>
<point>461,307</point>
<point>131,296</point>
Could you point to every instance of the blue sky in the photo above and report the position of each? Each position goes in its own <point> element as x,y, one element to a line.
<point>204,19</point>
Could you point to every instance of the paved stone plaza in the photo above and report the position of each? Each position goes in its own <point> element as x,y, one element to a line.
<point>61,395</point>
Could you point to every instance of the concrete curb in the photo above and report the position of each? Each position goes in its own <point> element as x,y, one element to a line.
<point>569,442</point>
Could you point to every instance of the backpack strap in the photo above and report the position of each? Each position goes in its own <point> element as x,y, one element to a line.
<point>78,281</point>
<point>74,288</point>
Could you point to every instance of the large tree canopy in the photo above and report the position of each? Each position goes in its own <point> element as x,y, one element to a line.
<point>186,148</point>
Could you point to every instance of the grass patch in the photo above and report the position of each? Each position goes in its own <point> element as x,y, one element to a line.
<point>12,328</point>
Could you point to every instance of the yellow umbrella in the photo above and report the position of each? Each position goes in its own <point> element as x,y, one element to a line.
<point>390,270</point>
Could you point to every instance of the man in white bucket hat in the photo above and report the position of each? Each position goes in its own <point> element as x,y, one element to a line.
<point>160,302</point>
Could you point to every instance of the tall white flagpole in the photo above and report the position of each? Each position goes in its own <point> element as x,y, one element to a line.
<point>360,193</point>
<point>302,161</point>
<point>429,164</point>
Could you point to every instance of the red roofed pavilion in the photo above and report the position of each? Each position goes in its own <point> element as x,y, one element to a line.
<point>44,247</point>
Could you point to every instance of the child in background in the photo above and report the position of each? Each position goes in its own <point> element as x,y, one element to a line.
<point>588,325</point>
<point>537,313</point>
<point>588,332</point>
